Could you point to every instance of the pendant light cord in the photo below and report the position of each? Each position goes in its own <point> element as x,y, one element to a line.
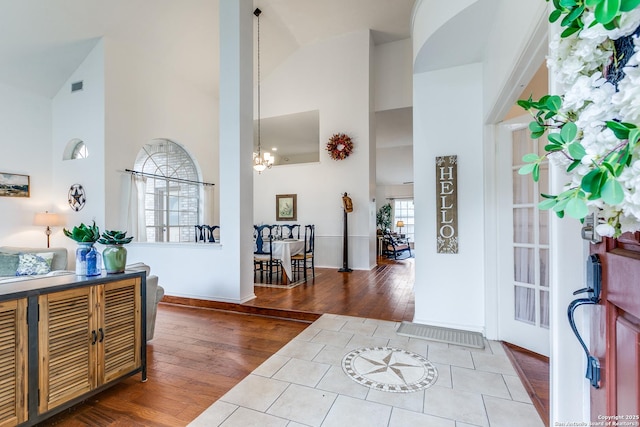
<point>257,12</point>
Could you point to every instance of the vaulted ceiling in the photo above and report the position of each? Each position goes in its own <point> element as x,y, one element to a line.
<point>43,41</point>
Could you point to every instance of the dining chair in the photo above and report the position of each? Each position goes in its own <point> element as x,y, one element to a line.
<point>305,260</point>
<point>200,233</point>
<point>210,232</point>
<point>290,231</point>
<point>263,260</point>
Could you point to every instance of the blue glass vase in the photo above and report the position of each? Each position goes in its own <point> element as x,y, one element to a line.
<point>88,260</point>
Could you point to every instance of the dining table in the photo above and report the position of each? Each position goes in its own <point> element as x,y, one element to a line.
<point>283,250</point>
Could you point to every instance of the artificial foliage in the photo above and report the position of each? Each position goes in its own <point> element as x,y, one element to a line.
<point>115,237</point>
<point>592,124</point>
<point>83,233</point>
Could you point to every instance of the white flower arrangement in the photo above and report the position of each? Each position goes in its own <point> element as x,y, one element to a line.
<point>598,118</point>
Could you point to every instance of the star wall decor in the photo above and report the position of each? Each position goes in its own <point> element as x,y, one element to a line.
<point>77,197</point>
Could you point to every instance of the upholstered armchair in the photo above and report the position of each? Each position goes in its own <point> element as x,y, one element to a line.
<point>394,245</point>
<point>155,293</point>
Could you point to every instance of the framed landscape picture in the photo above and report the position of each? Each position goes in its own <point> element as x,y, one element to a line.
<point>286,209</point>
<point>14,185</point>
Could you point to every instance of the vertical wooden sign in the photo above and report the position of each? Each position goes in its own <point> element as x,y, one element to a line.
<point>447,204</point>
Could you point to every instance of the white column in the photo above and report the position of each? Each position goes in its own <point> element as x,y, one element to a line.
<point>236,142</point>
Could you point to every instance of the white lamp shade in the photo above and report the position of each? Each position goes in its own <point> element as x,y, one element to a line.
<point>47,219</point>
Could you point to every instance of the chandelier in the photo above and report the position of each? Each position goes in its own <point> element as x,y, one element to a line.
<point>261,161</point>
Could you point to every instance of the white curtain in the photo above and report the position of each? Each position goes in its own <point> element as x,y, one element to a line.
<point>207,204</point>
<point>136,223</point>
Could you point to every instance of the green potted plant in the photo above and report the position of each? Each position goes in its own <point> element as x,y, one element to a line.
<point>115,254</point>
<point>383,218</point>
<point>88,259</point>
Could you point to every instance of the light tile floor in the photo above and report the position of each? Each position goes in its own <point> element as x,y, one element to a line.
<point>303,384</point>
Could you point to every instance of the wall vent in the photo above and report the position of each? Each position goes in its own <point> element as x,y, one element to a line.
<point>76,86</point>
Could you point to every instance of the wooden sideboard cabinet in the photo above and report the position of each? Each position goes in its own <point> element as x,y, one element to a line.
<point>13,362</point>
<point>67,338</point>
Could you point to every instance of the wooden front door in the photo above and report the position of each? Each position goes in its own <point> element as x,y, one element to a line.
<point>615,332</point>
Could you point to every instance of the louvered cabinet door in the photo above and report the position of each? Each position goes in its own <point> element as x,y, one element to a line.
<point>13,362</point>
<point>121,335</point>
<point>67,346</point>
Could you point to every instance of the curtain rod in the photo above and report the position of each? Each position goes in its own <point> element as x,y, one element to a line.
<point>151,175</point>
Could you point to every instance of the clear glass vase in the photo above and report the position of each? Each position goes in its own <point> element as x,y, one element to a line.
<point>88,260</point>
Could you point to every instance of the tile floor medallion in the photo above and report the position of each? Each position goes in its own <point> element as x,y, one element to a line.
<point>411,382</point>
<point>389,369</point>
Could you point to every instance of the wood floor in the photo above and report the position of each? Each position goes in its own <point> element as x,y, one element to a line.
<point>201,350</point>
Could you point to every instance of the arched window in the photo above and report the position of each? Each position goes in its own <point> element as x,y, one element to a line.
<point>75,149</point>
<point>172,193</point>
<point>80,151</point>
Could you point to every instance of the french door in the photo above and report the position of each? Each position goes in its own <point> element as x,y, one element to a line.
<point>523,244</point>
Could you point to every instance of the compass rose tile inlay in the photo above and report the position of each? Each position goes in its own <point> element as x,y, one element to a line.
<point>389,369</point>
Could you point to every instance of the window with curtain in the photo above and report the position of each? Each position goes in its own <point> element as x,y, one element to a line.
<point>172,195</point>
<point>403,211</point>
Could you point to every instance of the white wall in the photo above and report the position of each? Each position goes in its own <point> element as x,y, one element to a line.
<point>309,80</point>
<point>447,295</point>
<point>80,115</point>
<point>26,149</point>
<point>517,44</point>
<point>393,75</point>
<point>145,101</point>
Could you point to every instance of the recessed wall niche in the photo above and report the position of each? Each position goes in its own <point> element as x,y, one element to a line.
<point>75,149</point>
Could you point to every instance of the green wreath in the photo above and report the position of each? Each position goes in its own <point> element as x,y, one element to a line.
<point>339,146</point>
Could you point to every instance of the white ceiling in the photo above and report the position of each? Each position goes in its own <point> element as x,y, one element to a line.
<point>43,41</point>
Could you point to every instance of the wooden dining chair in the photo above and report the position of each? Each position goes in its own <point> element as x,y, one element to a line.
<point>290,231</point>
<point>263,260</point>
<point>210,232</point>
<point>305,260</point>
<point>200,233</point>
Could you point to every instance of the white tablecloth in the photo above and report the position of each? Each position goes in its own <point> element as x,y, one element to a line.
<point>284,250</point>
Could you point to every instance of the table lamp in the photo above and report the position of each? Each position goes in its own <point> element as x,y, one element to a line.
<point>48,220</point>
<point>400,224</point>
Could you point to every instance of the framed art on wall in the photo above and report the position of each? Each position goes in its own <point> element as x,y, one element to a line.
<point>286,207</point>
<point>14,185</point>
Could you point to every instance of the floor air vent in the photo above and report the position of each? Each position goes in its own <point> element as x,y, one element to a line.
<point>445,335</point>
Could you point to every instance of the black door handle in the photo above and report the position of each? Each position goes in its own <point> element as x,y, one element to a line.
<point>594,279</point>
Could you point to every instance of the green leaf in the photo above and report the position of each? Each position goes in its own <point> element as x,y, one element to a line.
<point>577,208</point>
<point>536,172</point>
<point>553,103</point>
<point>569,132</point>
<point>535,127</point>
<point>573,165</point>
<point>555,138</point>
<point>555,15</point>
<point>612,192</point>
<point>525,104</point>
<point>547,204</point>
<point>629,5</point>
<point>620,130</point>
<point>560,205</point>
<point>526,169</point>
<point>634,134</point>
<point>567,4</point>
<point>606,10</point>
<point>577,151</point>
<point>531,157</point>
<point>592,3</point>
<point>569,31</point>
<point>591,181</point>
